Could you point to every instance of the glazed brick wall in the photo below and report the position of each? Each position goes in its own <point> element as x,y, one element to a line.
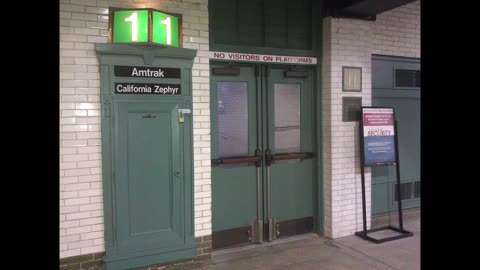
<point>349,42</point>
<point>82,24</point>
<point>397,32</point>
<point>94,261</point>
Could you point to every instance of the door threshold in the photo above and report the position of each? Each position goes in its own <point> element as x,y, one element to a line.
<point>264,244</point>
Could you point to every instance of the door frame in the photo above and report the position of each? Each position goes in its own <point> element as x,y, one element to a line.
<point>138,55</point>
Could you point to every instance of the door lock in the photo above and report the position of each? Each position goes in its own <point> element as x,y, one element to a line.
<point>181,112</point>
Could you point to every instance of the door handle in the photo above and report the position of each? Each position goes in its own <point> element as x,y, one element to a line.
<point>237,160</point>
<point>268,157</point>
<point>257,159</point>
<point>289,156</point>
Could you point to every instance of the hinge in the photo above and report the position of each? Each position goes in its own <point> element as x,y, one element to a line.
<point>106,109</point>
<point>114,191</point>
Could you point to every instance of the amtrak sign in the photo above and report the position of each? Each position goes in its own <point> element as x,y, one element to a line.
<point>146,72</point>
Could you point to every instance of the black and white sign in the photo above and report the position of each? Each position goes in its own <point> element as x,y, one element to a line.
<point>147,89</point>
<point>265,58</point>
<point>146,72</point>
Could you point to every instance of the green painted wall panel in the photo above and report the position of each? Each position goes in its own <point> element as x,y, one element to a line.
<point>406,102</point>
<point>299,24</point>
<point>226,16</point>
<point>407,114</point>
<point>249,17</point>
<point>262,23</point>
<point>276,24</point>
<point>382,199</point>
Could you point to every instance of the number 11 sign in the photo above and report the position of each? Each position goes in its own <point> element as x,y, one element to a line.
<point>144,25</point>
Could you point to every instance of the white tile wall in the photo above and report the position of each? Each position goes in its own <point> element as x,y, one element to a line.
<point>83,23</point>
<point>349,42</point>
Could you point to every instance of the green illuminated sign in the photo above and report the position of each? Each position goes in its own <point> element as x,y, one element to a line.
<point>145,25</point>
<point>165,29</point>
<point>130,26</point>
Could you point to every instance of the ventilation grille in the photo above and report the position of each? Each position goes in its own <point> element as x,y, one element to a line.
<point>410,190</point>
<point>407,78</point>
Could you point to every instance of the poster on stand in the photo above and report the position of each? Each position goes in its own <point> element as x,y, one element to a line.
<point>378,135</point>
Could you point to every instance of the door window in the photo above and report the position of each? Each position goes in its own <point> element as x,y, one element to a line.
<point>232,119</point>
<point>287,117</point>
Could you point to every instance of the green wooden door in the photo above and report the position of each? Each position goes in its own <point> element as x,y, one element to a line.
<point>255,110</point>
<point>151,186</point>
<point>395,83</point>
<point>149,172</point>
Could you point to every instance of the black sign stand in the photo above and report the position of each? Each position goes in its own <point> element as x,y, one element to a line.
<point>364,233</point>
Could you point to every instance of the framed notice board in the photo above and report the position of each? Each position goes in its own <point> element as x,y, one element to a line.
<point>378,136</point>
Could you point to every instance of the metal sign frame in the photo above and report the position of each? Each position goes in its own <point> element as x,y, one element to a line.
<point>364,233</point>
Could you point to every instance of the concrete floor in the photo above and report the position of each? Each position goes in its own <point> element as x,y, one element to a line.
<point>314,252</point>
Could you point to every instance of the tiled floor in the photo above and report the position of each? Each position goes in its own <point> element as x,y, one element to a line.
<point>314,252</point>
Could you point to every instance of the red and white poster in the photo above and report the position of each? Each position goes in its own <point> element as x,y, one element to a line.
<point>378,136</point>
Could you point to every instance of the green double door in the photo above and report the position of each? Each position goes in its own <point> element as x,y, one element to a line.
<point>262,153</point>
